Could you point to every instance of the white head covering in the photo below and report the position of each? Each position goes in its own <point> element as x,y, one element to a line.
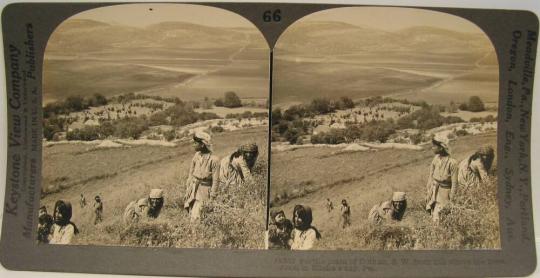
<point>398,196</point>
<point>443,141</point>
<point>156,193</point>
<point>205,138</point>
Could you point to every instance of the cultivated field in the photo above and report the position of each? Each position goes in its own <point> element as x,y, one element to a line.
<point>331,59</point>
<point>310,175</point>
<point>120,175</point>
<point>169,59</point>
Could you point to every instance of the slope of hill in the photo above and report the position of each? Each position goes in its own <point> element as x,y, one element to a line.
<point>363,179</point>
<point>82,36</point>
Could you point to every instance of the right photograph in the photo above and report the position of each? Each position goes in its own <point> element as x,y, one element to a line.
<point>384,133</point>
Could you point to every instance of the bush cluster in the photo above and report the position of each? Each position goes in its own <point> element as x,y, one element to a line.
<point>475,104</point>
<point>179,114</point>
<point>246,115</point>
<point>486,119</point>
<point>426,118</point>
<point>374,131</point>
<point>72,104</point>
<point>229,100</point>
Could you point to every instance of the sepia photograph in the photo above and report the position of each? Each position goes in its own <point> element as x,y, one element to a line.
<point>384,133</point>
<point>155,129</point>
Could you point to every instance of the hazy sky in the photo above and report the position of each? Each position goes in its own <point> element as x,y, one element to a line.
<point>140,15</point>
<point>393,19</point>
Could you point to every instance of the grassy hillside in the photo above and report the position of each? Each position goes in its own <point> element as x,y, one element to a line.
<point>123,175</point>
<point>368,178</point>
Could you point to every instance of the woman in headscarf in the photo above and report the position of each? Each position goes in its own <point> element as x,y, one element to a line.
<point>63,229</point>
<point>235,169</point>
<point>442,179</point>
<point>304,236</point>
<point>279,231</point>
<point>393,209</point>
<point>474,168</point>
<point>202,182</point>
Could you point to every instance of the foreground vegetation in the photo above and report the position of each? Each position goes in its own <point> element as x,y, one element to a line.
<point>310,176</point>
<point>471,222</point>
<point>236,218</point>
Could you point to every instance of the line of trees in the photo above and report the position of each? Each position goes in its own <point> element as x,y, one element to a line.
<point>73,104</point>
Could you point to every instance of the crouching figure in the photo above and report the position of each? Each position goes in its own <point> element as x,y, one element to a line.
<point>145,208</point>
<point>392,210</point>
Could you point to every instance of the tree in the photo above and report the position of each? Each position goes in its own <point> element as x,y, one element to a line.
<point>321,106</point>
<point>99,100</point>
<point>75,103</point>
<point>218,102</point>
<point>276,116</point>
<point>476,104</point>
<point>347,102</point>
<point>231,100</point>
<point>453,107</point>
<point>206,104</point>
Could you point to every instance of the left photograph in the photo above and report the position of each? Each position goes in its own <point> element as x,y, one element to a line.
<point>155,129</point>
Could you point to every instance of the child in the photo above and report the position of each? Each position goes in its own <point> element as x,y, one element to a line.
<point>304,236</point>
<point>279,231</point>
<point>63,229</point>
<point>44,225</point>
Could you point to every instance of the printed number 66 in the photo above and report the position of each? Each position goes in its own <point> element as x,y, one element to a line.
<point>269,16</point>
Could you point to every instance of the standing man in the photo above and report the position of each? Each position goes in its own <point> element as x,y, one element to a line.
<point>235,169</point>
<point>345,214</point>
<point>203,175</point>
<point>329,205</point>
<point>442,180</point>
<point>98,210</point>
<point>82,201</point>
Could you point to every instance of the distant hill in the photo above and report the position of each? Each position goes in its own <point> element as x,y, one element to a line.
<point>327,37</point>
<point>83,37</point>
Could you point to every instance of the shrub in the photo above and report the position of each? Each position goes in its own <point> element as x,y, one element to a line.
<point>476,104</point>
<point>218,102</point>
<point>462,132</point>
<point>169,135</point>
<point>217,129</point>
<point>334,136</point>
<point>231,100</point>
<point>417,138</point>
